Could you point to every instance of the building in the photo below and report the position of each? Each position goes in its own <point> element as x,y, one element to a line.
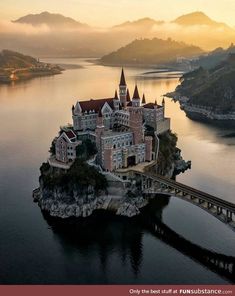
<point>65,146</point>
<point>117,126</point>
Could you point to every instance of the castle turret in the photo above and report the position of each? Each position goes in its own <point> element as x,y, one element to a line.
<point>163,106</point>
<point>136,98</point>
<point>128,98</point>
<point>116,101</point>
<point>143,100</point>
<point>123,89</point>
<point>155,104</point>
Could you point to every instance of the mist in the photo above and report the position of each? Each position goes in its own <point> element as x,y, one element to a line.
<point>62,41</point>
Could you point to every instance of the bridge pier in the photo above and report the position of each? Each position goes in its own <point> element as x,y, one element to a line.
<point>209,205</point>
<point>228,216</point>
<point>219,210</point>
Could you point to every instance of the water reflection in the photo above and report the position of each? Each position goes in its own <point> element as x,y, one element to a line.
<point>106,234</point>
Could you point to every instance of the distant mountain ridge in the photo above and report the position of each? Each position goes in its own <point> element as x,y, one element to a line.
<point>150,52</point>
<point>50,19</point>
<point>215,57</point>
<point>146,22</point>
<point>197,18</point>
<point>52,34</point>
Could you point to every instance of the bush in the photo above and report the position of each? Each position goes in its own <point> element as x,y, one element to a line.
<point>80,175</point>
<point>86,150</point>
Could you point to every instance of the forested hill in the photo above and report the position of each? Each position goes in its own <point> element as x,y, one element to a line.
<point>151,52</point>
<point>12,59</point>
<point>15,66</point>
<point>213,88</point>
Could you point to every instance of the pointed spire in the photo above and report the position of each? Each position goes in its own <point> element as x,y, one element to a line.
<point>163,101</point>
<point>155,103</point>
<point>116,95</point>
<point>143,99</point>
<point>122,79</point>
<point>136,93</point>
<point>128,98</point>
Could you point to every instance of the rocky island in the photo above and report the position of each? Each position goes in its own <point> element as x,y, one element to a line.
<point>15,66</point>
<point>93,162</point>
<point>208,95</point>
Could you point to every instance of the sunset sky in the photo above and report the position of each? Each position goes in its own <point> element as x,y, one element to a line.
<point>108,12</point>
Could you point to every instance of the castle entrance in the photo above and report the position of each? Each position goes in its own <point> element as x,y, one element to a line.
<point>131,160</point>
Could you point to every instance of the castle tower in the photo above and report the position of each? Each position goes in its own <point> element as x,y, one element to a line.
<point>149,148</point>
<point>123,89</point>
<point>136,124</point>
<point>108,159</point>
<point>136,98</point>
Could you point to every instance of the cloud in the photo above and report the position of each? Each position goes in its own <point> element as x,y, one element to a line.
<point>201,35</point>
<point>7,27</point>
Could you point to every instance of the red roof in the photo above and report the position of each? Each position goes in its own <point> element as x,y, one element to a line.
<point>95,104</point>
<point>151,106</point>
<point>70,134</point>
<point>128,96</point>
<point>116,95</point>
<point>122,79</point>
<point>136,93</point>
<point>143,99</point>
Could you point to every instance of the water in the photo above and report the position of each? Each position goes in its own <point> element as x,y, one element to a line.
<point>105,249</point>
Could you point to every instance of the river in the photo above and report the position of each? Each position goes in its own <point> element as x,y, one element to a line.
<point>108,249</point>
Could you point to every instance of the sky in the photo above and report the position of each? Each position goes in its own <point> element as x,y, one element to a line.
<point>104,13</point>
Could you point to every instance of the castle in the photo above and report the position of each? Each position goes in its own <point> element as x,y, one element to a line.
<point>117,125</point>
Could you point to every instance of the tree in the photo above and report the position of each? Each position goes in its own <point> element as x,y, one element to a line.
<point>52,148</point>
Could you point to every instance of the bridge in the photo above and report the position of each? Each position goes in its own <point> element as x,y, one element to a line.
<point>221,264</point>
<point>153,183</point>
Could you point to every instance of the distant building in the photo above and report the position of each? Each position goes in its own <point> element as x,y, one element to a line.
<point>117,126</point>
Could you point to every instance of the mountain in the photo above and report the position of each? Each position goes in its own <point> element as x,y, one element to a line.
<point>215,57</point>
<point>150,52</point>
<point>52,20</point>
<point>213,88</point>
<point>196,19</point>
<point>12,59</point>
<point>143,24</point>
<point>50,34</point>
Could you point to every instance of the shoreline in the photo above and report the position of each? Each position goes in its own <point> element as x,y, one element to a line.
<point>202,113</point>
